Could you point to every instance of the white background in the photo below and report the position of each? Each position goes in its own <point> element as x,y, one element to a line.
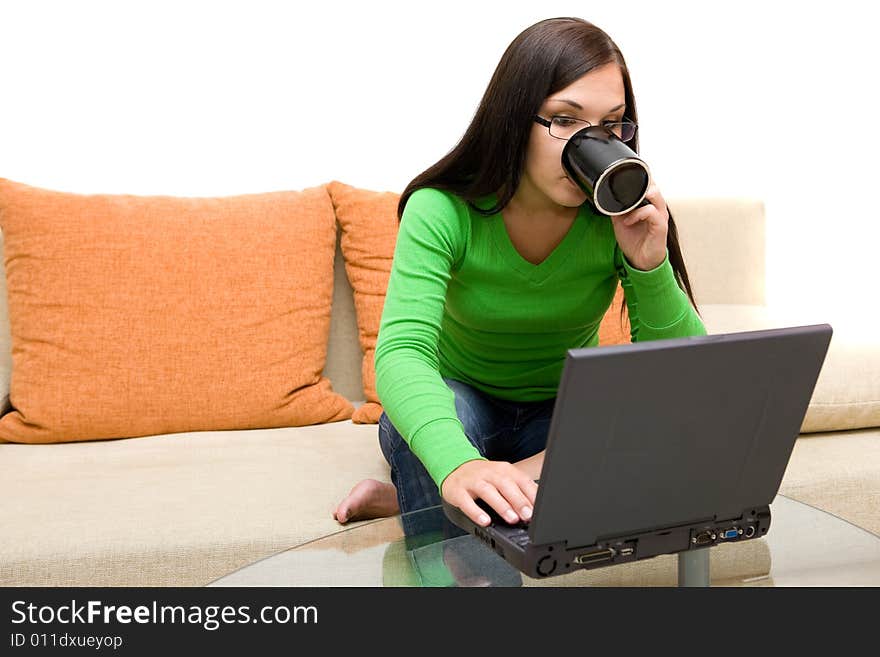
<point>775,100</point>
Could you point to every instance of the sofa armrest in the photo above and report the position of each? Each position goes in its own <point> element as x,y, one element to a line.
<point>847,392</point>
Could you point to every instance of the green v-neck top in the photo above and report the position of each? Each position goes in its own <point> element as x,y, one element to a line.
<point>462,303</point>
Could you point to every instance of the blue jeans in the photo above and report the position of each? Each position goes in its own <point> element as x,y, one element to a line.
<point>500,430</point>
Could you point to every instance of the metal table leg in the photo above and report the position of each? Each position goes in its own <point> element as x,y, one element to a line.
<point>693,567</point>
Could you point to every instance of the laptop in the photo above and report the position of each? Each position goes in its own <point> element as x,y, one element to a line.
<point>663,446</point>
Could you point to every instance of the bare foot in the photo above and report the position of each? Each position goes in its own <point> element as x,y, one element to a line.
<point>368,499</point>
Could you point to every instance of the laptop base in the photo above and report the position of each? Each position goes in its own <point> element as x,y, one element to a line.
<point>512,542</point>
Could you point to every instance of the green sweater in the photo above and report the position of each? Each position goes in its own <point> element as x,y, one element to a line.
<point>461,302</point>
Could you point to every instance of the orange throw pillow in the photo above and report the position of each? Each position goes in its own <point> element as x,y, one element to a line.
<point>368,220</point>
<point>613,329</point>
<point>144,315</point>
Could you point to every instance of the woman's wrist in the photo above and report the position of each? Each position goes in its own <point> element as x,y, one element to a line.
<point>532,465</point>
<point>646,265</point>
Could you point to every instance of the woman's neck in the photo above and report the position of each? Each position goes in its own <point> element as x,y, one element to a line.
<point>538,208</point>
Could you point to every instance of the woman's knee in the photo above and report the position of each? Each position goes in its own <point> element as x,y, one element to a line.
<point>389,437</point>
<point>478,418</point>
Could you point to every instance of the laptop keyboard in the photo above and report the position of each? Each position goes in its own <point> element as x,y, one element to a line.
<point>520,536</point>
<point>517,533</point>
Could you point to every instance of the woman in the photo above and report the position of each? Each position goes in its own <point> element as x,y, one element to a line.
<point>501,265</point>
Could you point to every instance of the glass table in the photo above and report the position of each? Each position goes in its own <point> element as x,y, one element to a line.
<point>805,546</point>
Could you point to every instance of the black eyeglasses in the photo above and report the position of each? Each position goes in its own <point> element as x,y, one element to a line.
<point>563,127</point>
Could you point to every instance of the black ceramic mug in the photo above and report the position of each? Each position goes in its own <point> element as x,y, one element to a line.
<point>612,175</point>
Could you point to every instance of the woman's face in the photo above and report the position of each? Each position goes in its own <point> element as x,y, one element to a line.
<point>545,184</point>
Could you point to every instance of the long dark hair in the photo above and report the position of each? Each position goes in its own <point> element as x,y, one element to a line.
<point>489,158</point>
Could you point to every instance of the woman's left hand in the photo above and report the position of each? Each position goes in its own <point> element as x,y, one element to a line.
<point>641,233</point>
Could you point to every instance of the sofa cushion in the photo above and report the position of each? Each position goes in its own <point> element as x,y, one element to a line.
<point>838,472</point>
<point>173,510</point>
<point>368,220</point>
<point>142,315</point>
<point>847,392</point>
<point>186,509</point>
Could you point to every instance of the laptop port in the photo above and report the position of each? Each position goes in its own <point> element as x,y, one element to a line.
<point>733,532</point>
<point>703,538</point>
<point>750,531</point>
<point>597,556</point>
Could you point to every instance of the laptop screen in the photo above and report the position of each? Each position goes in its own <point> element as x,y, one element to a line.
<point>669,432</point>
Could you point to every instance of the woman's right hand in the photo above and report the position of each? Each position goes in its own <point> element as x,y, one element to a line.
<point>503,486</point>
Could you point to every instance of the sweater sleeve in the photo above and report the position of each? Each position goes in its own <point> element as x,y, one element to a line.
<point>658,308</point>
<point>430,242</point>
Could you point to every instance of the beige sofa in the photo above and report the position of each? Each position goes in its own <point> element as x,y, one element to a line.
<point>185,509</point>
